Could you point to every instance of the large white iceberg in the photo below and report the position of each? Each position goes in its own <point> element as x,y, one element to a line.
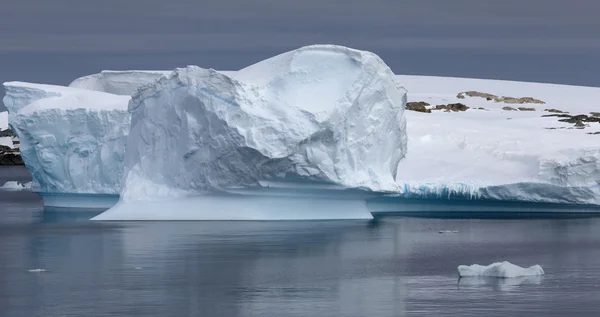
<point>317,121</point>
<point>499,269</point>
<point>317,116</point>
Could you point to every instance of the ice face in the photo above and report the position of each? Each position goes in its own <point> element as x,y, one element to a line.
<point>72,140</point>
<point>320,114</point>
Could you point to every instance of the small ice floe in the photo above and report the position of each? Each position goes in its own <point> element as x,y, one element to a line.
<point>499,269</point>
<point>12,185</point>
<point>37,270</point>
<point>448,231</point>
<point>137,268</point>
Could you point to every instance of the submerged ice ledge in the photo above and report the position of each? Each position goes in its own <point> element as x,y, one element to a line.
<point>240,207</point>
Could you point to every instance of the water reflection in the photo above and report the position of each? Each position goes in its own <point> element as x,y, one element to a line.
<point>500,284</point>
<point>389,266</point>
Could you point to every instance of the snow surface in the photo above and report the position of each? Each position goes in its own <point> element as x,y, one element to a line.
<point>13,185</point>
<point>72,140</point>
<point>118,82</point>
<point>498,154</point>
<point>499,269</point>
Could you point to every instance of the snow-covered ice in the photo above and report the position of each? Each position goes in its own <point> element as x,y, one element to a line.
<point>499,269</point>
<point>496,154</point>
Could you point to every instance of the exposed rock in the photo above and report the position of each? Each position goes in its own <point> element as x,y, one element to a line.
<point>11,159</point>
<point>419,106</point>
<point>507,108</point>
<point>594,133</point>
<point>595,114</point>
<point>481,108</point>
<point>579,125</point>
<point>526,109</point>
<point>564,115</point>
<point>555,110</point>
<point>504,99</point>
<point>455,107</point>
<point>522,100</point>
<point>8,155</point>
<point>7,132</point>
<point>480,94</point>
<point>580,118</point>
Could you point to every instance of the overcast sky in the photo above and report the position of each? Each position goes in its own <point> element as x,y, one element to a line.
<point>55,41</point>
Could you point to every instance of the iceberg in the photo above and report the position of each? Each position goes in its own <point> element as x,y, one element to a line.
<point>72,139</point>
<point>321,122</point>
<point>321,118</point>
<point>499,269</point>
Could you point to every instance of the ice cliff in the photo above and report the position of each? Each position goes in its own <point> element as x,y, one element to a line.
<point>319,114</point>
<point>73,138</point>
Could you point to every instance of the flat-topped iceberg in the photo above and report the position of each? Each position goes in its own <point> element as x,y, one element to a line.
<point>499,269</point>
<point>317,116</point>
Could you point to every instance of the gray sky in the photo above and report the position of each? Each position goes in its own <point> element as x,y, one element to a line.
<point>533,40</point>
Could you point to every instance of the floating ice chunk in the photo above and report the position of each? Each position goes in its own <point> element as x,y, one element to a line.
<point>448,231</point>
<point>37,270</point>
<point>12,185</point>
<point>499,269</point>
<point>502,284</point>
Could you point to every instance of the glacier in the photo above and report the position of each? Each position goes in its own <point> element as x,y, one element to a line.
<point>319,116</point>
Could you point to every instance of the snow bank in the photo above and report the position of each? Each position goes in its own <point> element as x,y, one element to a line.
<point>318,115</point>
<point>12,185</point>
<point>118,82</point>
<point>499,269</point>
<point>72,140</point>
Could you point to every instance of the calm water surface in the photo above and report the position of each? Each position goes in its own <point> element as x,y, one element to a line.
<point>391,267</point>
